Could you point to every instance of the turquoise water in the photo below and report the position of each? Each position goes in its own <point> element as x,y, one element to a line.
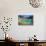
<point>26,21</point>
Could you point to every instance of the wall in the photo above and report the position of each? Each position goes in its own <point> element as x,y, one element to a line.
<point>11,8</point>
<point>45,28</point>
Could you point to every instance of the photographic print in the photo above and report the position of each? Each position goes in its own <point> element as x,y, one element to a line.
<point>25,19</point>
